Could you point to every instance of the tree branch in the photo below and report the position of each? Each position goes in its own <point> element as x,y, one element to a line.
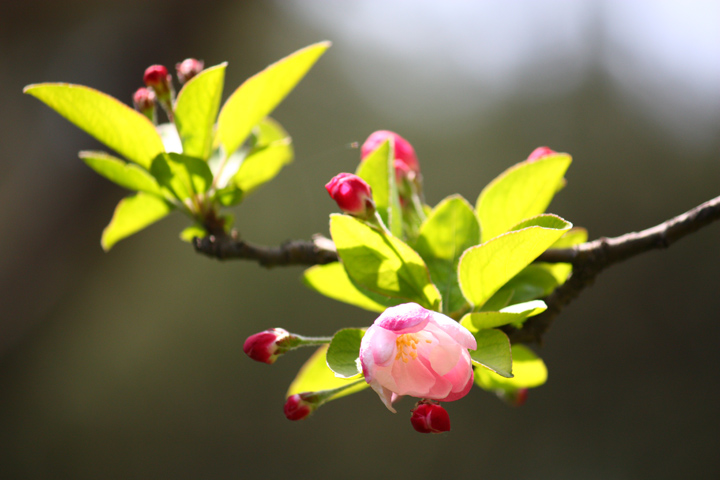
<point>589,259</point>
<point>319,251</point>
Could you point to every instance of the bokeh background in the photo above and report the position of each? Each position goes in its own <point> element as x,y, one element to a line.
<point>130,365</point>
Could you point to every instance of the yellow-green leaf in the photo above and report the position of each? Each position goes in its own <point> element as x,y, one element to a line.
<point>132,215</point>
<point>333,281</point>
<point>382,263</point>
<point>484,269</point>
<point>261,93</point>
<point>529,371</point>
<point>196,108</point>
<point>110,121</point>
<point>127,175</point>
<point>316,376</point>
<point>521,192</point>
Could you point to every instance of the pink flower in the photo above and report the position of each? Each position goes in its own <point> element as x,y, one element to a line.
<point>541,152</point>
<point>352,194</point>
<point>144,99</point>
<point>188,68</point>
<point>299,406</point>
<point>404,152</point>
<point>266,346</point>
<point>430,418</point>
<point>412,351</point>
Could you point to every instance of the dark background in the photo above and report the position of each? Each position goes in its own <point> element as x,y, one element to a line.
<point>130,365</point>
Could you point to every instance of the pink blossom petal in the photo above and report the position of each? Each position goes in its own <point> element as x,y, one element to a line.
<point>444,357</point>
<point>456,331</point>
<point>385,395</point>
<point>458,395</point>
<point>377,348</point>
<point>405,318</point>
<point>460,375</point>
<point>413,378</point>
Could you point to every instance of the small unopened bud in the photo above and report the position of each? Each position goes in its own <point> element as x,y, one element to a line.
<point>430,418</point>
<point>267,346</point>
<point>188,68</point>
<point>157,78</point>
<point>300,405</point>
<point>403,150</point>
<point>540,152</point>
<point>352,194</point>
<point>144,102</point>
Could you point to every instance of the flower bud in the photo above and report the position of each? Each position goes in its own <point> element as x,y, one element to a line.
<point>300,405</point>
<point>352,195</point>
<point>188,68</point>
<point>144,102</point>
<point>267,346</point>
<point>430,418</point>
<point>158,78</point>
<point>540,152</point>
<point>403,150</point>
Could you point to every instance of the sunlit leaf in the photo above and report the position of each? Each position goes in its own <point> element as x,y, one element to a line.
<point>188,234</point>
<point>528,369</point>
<point>132,215</point>
<point>484,269</point>
<point>315,376</point>
<point>127,175</point>
<point>333,281</point>
<point>182,176</point>
<point>521,192</point>
<point>448,231</point>
<point>514,314</point>
<point>378,170</point>
<point>196,109</point>
<point>382,263</point>
<point>261,93</point>
<point>111,122</point>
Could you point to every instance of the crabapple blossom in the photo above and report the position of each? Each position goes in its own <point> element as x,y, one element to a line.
<point>266,346</point>
<point>404,152</point>
<point>540,152</point>
<point>410,350</point>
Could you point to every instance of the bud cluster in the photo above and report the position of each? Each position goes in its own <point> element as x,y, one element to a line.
<point>159,87</point>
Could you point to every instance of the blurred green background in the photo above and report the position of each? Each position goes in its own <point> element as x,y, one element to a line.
<point>130,365</point>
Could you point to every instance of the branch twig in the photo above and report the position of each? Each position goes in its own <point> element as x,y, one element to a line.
<point>588,259</point>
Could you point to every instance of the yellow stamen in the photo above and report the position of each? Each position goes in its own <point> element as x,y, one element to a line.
<point>407,347</point>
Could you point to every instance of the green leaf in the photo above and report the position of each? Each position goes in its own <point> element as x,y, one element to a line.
<point>261,93</point>
<point>521,192</point>
<point>343,353</point>
<point>561,271</point>
<point>485,268</point>
<point>132,215</point>
<point>316,376</point>
<point>378,170</point>
<point>196,108</point>
<point>193,231</point>
<point>333,281</point>
<point>534,281</point>
<point>127,175</point>
<point>514,314</point>
<point>111,122</point>
<point>182,176</point>
<point>382,263</point>
<point>262,165</point>
<point>493,351</point>
<point>449,230</point>
<point>529,371</point>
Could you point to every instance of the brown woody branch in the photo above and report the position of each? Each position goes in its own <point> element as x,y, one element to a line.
<point>588,259</point>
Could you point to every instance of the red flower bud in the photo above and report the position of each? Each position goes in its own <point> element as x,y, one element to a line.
<point>265,346</point>
<point>188,68</point>
<point>430,418</point>
<point>144,101</point>
<point>403,150</point>
<point>300,406</point>
<point>541,152</point>
<point>157,78</point>
<point>352,195</point>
